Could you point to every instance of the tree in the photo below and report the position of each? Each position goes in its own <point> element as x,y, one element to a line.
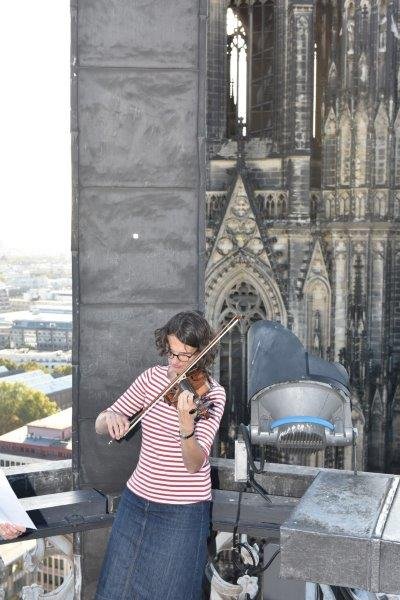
<point>62,370</point>
<point>20,405</point>
<point>9,364</point>
<point>30,365</point>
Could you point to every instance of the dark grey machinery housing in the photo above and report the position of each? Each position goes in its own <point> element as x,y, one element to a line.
<point>298,401</point>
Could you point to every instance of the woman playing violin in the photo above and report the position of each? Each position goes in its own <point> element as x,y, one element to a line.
<point>158,543</point>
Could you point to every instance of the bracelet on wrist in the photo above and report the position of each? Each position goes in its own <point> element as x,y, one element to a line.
<point>185,436</point>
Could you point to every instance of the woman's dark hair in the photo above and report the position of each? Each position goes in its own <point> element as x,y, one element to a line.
<point>192,329</point>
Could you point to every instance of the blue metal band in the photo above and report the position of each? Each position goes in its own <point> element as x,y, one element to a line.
<point>303,419</point>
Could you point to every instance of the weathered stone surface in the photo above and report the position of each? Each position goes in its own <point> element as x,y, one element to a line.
<point>106,467</point>
<point>161,262</point>
<point>137,128</point>
<point>138,34</point>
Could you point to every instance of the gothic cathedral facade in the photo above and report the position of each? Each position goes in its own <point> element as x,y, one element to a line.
<point>303,194</point>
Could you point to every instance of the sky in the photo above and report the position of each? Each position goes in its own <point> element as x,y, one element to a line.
<point>35,127</point>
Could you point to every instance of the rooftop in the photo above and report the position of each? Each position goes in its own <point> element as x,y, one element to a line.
<point>60,421</point>
<point>27,354</point>
<point>41,382</point>
<point>27,315</point>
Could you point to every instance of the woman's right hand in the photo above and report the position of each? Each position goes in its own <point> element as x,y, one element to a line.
<point>10,531</point>
<point>117,424</point>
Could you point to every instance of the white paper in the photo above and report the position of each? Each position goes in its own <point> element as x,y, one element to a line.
<point>11,510</point>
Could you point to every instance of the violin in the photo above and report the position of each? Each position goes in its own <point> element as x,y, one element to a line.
<point>178,381</point>
<point>197,383</point>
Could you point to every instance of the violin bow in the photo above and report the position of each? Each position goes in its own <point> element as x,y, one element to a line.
<point>139,416</point>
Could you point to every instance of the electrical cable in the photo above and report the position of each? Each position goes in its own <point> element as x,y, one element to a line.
<point>251,465</point>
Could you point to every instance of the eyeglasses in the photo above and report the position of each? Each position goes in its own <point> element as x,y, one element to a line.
<point>181,356</point>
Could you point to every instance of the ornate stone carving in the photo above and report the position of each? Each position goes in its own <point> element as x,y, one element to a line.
<point>239,230</point>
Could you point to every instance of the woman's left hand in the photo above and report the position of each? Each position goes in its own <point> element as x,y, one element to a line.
<point>185,405</point>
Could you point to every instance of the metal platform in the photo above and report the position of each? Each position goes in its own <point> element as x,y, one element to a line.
<point>345,531</point>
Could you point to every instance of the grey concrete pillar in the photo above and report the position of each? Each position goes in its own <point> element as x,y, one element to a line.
<point>138,128</point>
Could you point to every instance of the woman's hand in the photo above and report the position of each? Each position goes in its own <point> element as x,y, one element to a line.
<point>10,531</point>
<point>117,424</point>
<point>185,405</point>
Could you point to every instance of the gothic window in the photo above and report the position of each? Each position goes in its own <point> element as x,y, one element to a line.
<point>382,26</point>
<point>381,131</point>
<point>361,147</point>
<point>279,207</point>
<point>323,68</point>
<point>237,63</point>
<point>261,19</point>
<point>350,15</point>
<point>333,206</point>
<point>250,49</point>
<point>243,299</point>
<point>283,205</point>
<point>329,150</point>
<point>359,206</point>
<point>270,207</point>
<point>318,309</point>
<point>348,31</point>
<point>345,147</point>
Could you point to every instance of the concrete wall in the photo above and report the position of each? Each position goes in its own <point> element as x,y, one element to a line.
<point>138,129</point>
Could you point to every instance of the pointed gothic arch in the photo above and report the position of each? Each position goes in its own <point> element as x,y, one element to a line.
<point>233,270</point>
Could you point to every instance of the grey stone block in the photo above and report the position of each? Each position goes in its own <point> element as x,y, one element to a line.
<point>106,467</point>
<point>161,263</point>
<point>138,33</point>
<point>138,129</point>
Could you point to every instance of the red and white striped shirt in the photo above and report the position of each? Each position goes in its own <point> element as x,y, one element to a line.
<point>160,474</point>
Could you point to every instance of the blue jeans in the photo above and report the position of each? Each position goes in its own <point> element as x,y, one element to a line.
<point>155,551</point>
